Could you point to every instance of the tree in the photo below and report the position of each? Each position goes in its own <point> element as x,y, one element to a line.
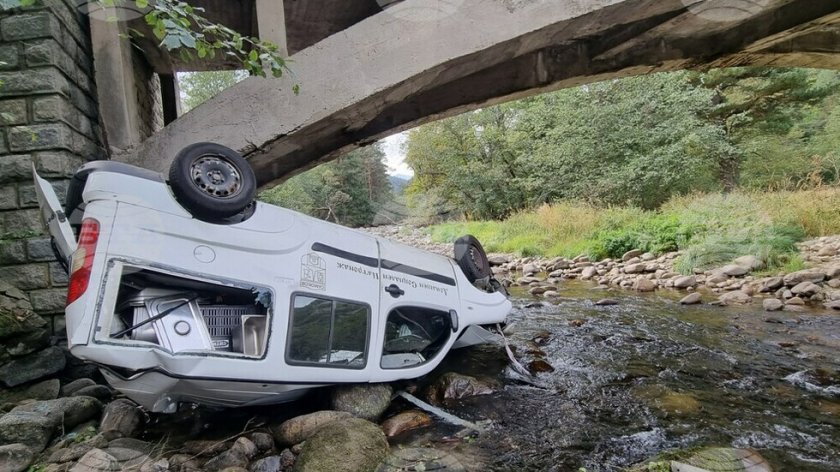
<point>198,87</point>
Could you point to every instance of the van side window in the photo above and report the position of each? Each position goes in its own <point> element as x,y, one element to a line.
<point>413,335</point>
<point>328,332</point>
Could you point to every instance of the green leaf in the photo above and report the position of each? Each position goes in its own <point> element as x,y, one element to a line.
<point>141,3</point>
<point>253,56</point>
<point>171,41</point>
<point>188,40</point>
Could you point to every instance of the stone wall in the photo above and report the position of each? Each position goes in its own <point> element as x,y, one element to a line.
<point>48,116</point>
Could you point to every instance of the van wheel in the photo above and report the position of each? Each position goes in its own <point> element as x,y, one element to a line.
<point>212,181</point>
<point>471,258</point>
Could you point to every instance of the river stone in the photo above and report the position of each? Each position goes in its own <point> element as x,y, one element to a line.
<point>452,386</point>
<point>808,275</point>
<point>724,459</point>
<point>15,458</point>
<point>691,299</point>
<point>32,367</point>
<point>26,427</point>
<point>805,289</point>
<point>772,284</point>
<point>606,302</point>
<point>300,428</point>
<point>750,263</point>
<point>734,270</point>
<point>367,401</point>
<point>529,269</point>
<point>631,254</point>
<point>238,455</point>
<point>419,458</point>
<point>267,464</point>
<point>795,301</point>
<point>205,447</point>
<point>827,251</point>
<point>644,285</point>
<point>834,305</point>
<point>772,304</point>
<point>832,272</point>
<point>405,421</point>
<point>735,297</point>
<point>685,282</point>
<point>347,445</point>
<point>539,290</point>
<point>160,465</point>
<point>498,259</point>
<point>100,392</point>
<point>67,412</point>
<point>588,273</point>
<point>263,441</point>
<point>45,390</point>
<point>635,268</point>
<point>122,418</point>
<point>96,460</point>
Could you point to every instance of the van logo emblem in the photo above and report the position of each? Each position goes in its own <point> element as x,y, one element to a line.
<point>313,271</point>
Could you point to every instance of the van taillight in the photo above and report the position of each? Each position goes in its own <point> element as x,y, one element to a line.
<point>83,259</point>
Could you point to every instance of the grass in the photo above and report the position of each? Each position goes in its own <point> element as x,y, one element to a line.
<point>710,229</point>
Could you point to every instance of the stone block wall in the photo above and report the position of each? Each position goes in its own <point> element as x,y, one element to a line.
<point>48,117</point>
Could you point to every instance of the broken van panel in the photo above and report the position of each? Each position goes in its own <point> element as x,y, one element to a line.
<point>253,309</point>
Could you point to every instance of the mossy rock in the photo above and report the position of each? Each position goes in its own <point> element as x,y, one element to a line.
<point>348,445</point>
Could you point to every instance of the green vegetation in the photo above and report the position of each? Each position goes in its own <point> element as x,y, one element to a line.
<point>710,229</point>
<point>198,87</point>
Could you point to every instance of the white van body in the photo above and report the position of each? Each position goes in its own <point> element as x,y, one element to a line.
<point>253,312</point>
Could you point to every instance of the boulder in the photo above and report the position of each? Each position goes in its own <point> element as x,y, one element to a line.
<point>405,421</point>
<point>832,272</point>
<point>25,427</point>
<point>122,418</point>
<point>606,302</point>
<point>100,392</point>
<point>735,297</point>
<point>808,275</point>
<point>772,284</point>
<point>631,254</point>
<point>160,465</point>
<point>300,428</point>
<point>96,460</point>
<point>685,282</point>
<point>834,305</point>
<point>366,401</point>
<point>15,457</point>
<point>66,412</point>
<point>16,315</point>
<point>267,464</point>
<point>734,270</point>
<point>750,262</point>
<point>644,285</point>
<point>238,455</point>
<point>498,259</point>
<point>772,304</point>
<point>452,386</point>
<point>805,289</point>
<point>795,301</point>
<point>635,268</point>
<point>263,441</point>
<point>827,251</point>
<point>400,460</point>
<point>538,290</point>
<point>32,367</point>
<point>588,272</point>
<point>720,459</point>
<point>45,390</point>
<point>529,269</point>
<point>347,445</point>
<point>691,299</point>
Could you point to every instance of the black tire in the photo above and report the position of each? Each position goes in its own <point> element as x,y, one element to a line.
<point>471,258</point>
<point>212,181</point>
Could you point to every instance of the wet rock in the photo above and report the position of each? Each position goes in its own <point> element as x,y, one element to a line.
<point>32,367</point>
<point>267,464</point>
<point>606,302</point>
<point>834,305</point>
<point>538,290</point>
<point>263,441</point>
<point>539,365</point>
<point>771,284</point>
<point>74,386</point>
<point>401,460</point>
<point>808,275</point>
<point>631,254</point>
<point>644,285</point>
<point>100,392</point>
<point>122,418</point>
<point>772,304</point>
<point>551,294</point>
<point>299,429</point>
<point>367,401</point>
<point>96,460</point>
<point>691,299</point>
<point>795,301</point>
<point>452,386</point>
<point>15,457</point>
<point>577,322</point>
<point>794,308</point>
<point>685,282</point>
<point>46,390</point>
<point>348,445</point>
<point>720,459</point>
<point>237,456</point>
<point>24,427</point>
<point>405,421</point>
<point>735,297</point>
<point>734,270</point>
<point>805,289</point>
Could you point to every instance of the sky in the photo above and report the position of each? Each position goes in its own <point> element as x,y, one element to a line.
<point>395,155</point>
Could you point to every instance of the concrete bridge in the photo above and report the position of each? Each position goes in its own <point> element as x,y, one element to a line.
<point>384,70</point>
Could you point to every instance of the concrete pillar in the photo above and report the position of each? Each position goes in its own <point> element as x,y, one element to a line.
<point>170,98</point>
<point>271,23</point>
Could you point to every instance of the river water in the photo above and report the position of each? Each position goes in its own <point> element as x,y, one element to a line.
<point>648,376</point>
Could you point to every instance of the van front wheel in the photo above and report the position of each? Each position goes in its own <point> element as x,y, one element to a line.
<point>471,258</point>
<point>212,181</point>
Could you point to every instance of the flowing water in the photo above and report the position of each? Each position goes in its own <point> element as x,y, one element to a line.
<point>648,376</point>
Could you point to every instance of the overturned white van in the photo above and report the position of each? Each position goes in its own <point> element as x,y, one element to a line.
<point>188,290</point>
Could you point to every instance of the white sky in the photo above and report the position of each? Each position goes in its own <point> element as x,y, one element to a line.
<point>395,155</point>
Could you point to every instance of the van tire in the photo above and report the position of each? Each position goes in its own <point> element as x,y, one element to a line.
<point>211,181</point>
<point>471,258</point>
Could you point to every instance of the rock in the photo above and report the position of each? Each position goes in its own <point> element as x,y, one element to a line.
<point>588,272</point>
<point>832,272</point>
<point>122,418</point>
<point>805,289</point>
<point>644,285</point>
<point>772,284</point>
<point>808,275</point>
<point>300,428</point>
<point>405,421</point>
<point>237,456</point>
<point>263,441</point>
<point>685,282</point>
<point>834,283</point>
<point>750,262</point>
<point>65,412</point>
<point>205,447</point>
<point>794,308</point>
<point>348,445</point>
<point>452,386</point>
<point>529,269</point>
<point>827,251</point>
<point>45,390</point>
<point>691,299</point>
<point>631,254</point>
<point>498,259</point>
<point>538,290</point>
<point>635,268</point>
<point>288,458</point>
<point>100,392</point>
<point>735,297</point>
<point>606,302</point>
<point>32,367</point>
<point>772,304</point>
<point>69,454</point>
<point>267,464</point>
<point>160,465</point>
<point>125,455</point>
<point>74,386</point>
<point>551,294</point>
<point>15,458</point>
<point>406,459</point>
<point>25,427</point>
<point>647,257</point>
<point>795,301</point>
<point>834,305</point>
<point>367,401</point>
<point>734,270</point>
<point>96,460</point>
<point>131,443</point>
<point>720,459</point>
<point>539,365</point>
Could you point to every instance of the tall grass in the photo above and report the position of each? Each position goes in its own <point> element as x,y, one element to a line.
<point>710,229</point>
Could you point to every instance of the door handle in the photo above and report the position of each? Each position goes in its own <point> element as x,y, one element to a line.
<point>395,291</point>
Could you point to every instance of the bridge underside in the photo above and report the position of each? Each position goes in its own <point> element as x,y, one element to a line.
<point>393,70</point>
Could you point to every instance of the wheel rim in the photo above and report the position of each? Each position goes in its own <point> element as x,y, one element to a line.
<point>478,259</point>
<point>216,177</point>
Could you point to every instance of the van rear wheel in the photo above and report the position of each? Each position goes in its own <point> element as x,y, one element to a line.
<point>212,181</point>
<point>471,258</point>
